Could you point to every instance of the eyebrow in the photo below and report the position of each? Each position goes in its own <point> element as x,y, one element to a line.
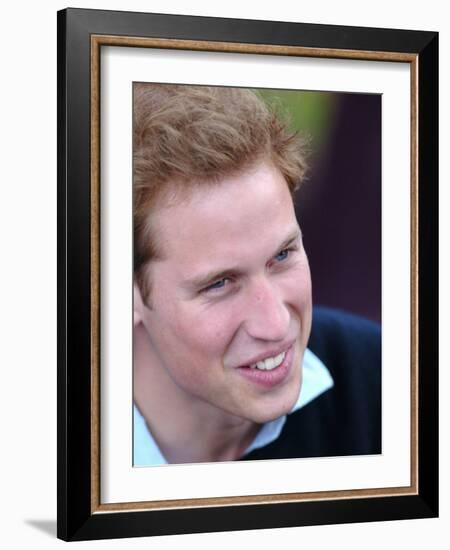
<point>210,277</point>
<point>295,235</point>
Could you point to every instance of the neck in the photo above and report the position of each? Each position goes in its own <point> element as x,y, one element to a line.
<point>186,429</point>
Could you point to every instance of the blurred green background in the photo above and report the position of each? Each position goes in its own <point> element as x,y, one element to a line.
<point>311,113</point>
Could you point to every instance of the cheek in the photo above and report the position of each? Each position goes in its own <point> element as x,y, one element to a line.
<point>297,286</point>
<point>208,331</point>
<point>202,341</point>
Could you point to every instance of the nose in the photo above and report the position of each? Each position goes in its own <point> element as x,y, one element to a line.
<point>267,316</point>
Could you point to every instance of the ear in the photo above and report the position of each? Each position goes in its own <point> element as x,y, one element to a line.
<point>138,305</point>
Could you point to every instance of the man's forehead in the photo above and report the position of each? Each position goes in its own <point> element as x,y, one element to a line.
<point>216,217</point>
<point>208,242</point>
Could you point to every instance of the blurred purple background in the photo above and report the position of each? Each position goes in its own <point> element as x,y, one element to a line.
<point>339,209</point>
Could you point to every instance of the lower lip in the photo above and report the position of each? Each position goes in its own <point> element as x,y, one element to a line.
<point>269,378</point>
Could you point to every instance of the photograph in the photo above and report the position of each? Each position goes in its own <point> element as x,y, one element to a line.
<point>238,353</point>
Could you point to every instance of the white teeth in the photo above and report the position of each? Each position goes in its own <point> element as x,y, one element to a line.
<point>269,363</point>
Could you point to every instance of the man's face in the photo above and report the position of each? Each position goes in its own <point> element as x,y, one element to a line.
<point>231,291</point>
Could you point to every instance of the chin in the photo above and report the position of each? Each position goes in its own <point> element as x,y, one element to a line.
<point>272,413</point>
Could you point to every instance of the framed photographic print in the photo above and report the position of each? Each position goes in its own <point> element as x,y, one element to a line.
<point>201,162</point>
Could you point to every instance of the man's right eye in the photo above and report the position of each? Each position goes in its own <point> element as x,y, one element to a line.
<point>218,285</point>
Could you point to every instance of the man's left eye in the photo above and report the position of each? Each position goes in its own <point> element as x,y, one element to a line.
<point>281,256</point>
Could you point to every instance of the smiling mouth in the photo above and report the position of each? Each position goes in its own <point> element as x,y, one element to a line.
<point>270,371</point>
<point>270,363</point>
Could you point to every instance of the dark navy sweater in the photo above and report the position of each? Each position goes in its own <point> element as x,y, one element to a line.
<point>346,419</point>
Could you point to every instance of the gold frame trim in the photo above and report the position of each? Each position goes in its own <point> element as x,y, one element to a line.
<point>97,41</point>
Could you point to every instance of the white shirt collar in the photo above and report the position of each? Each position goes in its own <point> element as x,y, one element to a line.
<point>316,380</point>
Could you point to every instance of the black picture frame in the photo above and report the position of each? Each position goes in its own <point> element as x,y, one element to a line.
<point>81,34</point>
